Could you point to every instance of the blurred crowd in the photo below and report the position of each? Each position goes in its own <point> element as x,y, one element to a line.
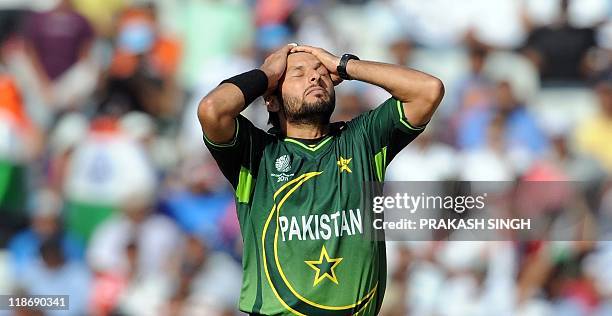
<point>107,193</point>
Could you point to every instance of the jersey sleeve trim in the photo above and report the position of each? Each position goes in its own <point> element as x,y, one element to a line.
<point>404,121</point>
<point>245,186</point>
<point>380,162</point>
<point>225,145</point>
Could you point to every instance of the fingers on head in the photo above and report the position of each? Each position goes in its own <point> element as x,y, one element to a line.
<point>336,79</point>
<point>289,47</point>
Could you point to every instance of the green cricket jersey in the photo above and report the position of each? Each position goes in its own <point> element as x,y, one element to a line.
<point>306,245</point>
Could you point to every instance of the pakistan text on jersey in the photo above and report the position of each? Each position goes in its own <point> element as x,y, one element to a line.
<point>321,226</point>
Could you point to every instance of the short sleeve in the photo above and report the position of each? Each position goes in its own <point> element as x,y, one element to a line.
<point>388,129</point>
<point>239,159</point>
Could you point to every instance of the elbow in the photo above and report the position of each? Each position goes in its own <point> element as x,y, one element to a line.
<point>434,92</point>
<point>207,111</point>
<point>212,113</point>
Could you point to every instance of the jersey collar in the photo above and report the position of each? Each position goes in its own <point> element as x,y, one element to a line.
<point>317,148</point>
<point>310,147</point>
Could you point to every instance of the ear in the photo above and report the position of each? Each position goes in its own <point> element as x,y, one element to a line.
<point>272,103</point>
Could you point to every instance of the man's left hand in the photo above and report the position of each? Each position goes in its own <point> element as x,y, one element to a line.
<point>329,60</point>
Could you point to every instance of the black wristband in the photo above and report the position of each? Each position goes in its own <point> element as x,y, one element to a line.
<point>253,84</point>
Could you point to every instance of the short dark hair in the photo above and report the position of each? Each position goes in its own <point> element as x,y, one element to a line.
<point>273,118</point>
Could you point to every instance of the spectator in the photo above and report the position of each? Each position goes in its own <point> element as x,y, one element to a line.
<point>45,223</point>
<point>593,136</point>
<point>69,132</point>
<point>200,204</point>
<point>56,274</point>
<point>489,162</point>
<point>159,148</point>
<point>155,236</point>
<point>208,281</point>
<point>522,132</point>
<point>143,69</point>
<point>425,160</point>
<point>59,38</point>
<point>401,50</point>
<point>565,161</point>
<point>20,144</point>
<point>473,92</point>
<point>474,89</point>
<point>129,291</point>
<point>11,17</point>
<point>105,168</point>
<point>559,50</point>
<point>58,43</point>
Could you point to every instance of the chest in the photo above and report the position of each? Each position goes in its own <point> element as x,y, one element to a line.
<point>328,178</point>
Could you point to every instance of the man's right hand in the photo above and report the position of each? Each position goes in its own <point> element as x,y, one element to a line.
<point>275,65</point>
<point>218,110</point>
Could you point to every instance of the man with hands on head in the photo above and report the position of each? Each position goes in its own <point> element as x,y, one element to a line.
<point>299,186</point>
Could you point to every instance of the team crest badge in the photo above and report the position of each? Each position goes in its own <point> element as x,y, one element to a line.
<point>283,165</point>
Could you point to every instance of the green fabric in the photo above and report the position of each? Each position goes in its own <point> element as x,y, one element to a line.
<point>5,179</point>
<point>381,164</point>
<point>245,186</point>
<point>308,245</point>
<point>403,119</point>
<point>13,189</point>
<point>83,218</point>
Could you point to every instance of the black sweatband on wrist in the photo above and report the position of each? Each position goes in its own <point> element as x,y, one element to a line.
<point>253,84</point>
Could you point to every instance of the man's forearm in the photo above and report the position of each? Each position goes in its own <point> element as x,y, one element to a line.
<point>225,100</point>
<point>403,83</point>
<point>419,92</point>
<point>217,111</point>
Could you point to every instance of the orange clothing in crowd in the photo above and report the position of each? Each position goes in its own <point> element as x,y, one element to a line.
<point>11,105</point>
<point>164,55</point>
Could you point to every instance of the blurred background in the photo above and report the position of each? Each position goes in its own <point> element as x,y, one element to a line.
<point>108,194</point>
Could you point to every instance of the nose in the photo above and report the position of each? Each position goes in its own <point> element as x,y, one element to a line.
<point>314,77</point>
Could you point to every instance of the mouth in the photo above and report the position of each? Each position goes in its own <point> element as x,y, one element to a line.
<point>315,89</point>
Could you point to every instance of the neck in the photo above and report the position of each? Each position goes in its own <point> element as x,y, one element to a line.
<point>306,131</point>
